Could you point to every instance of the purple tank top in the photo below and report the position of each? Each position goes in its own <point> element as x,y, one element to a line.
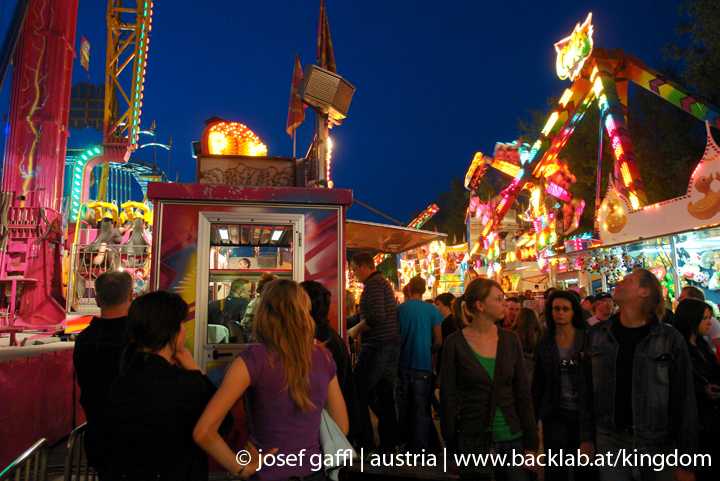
<point>274,420</point>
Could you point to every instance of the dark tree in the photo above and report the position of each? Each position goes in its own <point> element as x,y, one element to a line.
<point>701,58</point>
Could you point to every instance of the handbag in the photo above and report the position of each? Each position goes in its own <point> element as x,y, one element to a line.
<point>332,441</point>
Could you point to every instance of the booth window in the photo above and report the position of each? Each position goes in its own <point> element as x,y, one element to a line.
<point>239,255</point>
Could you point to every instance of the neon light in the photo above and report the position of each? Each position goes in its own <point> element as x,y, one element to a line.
<point>487,229</point>
<point>634,201</point>
<point>617,148</point>
<point>567,95</point>
<point>327,162</point>
<point>625,171</point>
<point>574,50</point>
<point>502,204</point>
<point>506,167</point>
<point>593,74</point>
<point>528,253</point>
<point>557,191</point>
<point>551,121</point>
<point>77,178</point>
<point>603,103</point>
<point>610,124</point>
<point>232,138</point>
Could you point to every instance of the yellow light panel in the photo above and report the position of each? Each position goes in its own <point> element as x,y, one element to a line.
<point>232,138</point>
<point>506,167</point>
<point>551,121</point>
<point>566,97</point>
<point>625,171</point>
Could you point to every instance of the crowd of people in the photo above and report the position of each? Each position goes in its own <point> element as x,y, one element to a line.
<point>596,375</point>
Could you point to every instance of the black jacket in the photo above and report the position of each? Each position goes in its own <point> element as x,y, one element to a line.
<point>150,415</point>
<point>545,388</point>
<point>468,396</point>
<point>96,357</point>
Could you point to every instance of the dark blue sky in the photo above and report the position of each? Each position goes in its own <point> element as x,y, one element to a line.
<point>436,81</point>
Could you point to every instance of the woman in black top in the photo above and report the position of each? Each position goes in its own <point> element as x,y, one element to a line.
<point>555,383</point>
<point>692,319</point>
<point>160,394</point>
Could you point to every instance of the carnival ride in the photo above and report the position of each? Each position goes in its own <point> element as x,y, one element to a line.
<point>33,218</point>
<point>597,75</point>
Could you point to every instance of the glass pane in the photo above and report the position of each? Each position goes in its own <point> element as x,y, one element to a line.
<point>239,256</point>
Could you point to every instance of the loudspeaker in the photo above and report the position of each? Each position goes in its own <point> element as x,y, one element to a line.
<point>326,91</point>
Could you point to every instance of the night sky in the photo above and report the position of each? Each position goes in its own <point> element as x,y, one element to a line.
<point>436,81</point>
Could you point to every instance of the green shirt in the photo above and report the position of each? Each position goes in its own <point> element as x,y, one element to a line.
<point>500,429</point>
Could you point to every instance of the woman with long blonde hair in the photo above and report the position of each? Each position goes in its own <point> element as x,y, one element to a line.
<point>285,381</point>
<point>485,401</point>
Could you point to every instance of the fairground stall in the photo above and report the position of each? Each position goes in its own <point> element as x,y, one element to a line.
<point>250,207</point>
<point>444,268</point>
<point>678,239</point>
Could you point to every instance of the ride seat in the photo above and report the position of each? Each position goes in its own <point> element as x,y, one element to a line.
<point>136,247</point>
<point>105,228</point>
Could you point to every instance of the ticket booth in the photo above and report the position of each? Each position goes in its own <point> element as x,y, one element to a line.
<point>207,236</point>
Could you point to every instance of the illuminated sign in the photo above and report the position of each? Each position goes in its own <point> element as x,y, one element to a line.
<point>574,50</point>
<point>231,138</point>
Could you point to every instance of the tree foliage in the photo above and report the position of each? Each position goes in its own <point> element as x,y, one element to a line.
<point>450,218</point>
<point>701,59</point>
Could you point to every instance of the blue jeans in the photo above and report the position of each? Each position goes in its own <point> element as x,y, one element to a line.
<point>614,442</point>
<point>412,398</point>
<point>374,373</point>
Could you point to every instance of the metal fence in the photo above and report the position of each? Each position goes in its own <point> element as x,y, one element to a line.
<point>86,264</point>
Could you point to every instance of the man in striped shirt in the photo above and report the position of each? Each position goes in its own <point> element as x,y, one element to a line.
<point>376,365</point>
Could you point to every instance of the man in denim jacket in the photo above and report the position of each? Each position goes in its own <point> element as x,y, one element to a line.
<point>637,388</point>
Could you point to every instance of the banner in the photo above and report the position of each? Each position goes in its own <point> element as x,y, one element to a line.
<point>326,56</point>
<point>296,111</point>
<point>85,53</point>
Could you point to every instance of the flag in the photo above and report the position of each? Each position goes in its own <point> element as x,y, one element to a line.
<point>326,57</point>
<point>152,127</point>
<point>296,111</point>
<point>85,53</point>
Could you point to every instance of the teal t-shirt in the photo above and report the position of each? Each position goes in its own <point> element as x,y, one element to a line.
<point>500,428</point>
<point>417,319</point>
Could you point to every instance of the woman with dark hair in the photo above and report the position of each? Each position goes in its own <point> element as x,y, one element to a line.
<point>285,382</point>
<point>154,404</point>
<point>692,319</point>
<point>484,391</point>
<point>320,299</point>
<point>528,329</point>
<point>556,383</point>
